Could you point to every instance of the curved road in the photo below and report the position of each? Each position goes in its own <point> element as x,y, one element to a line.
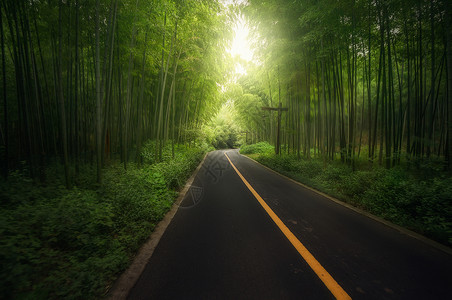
<point>222,244</point>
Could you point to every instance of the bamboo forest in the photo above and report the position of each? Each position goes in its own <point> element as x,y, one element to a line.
<point>108,107</point>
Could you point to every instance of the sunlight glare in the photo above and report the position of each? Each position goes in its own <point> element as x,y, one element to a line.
<point>241,45</point>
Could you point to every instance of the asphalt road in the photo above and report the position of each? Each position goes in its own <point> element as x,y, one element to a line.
<point>222,244</point>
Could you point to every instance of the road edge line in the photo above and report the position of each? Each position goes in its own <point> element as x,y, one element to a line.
<point>328,280</point>
<point>400,229</point>
<point>121,288</point>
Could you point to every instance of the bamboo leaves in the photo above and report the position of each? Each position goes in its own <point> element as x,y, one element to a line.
<point>95,79</point>
<point>377,64</point>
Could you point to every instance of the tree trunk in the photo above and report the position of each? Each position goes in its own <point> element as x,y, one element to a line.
<point>61,103</point>
<point>5,100</point>
<point>160,116</point>
<point>448,32</point>
<point>98,101</point>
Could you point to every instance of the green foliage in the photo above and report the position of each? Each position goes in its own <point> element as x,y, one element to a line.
<point>409,197</point>
<point>225,138</point>
<point>223,129</point>
<point>149,151</point>
<point>304,47</point>
<point>141,43</point>
<point>423,205</point>
<point>258,148</point>
<point>57,243</point>
<point>139,198</point>
<point>57,247</point>
<point>248,108</point>
<point>176,171</point>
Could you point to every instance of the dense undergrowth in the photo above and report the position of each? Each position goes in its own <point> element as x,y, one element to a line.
<point>258,148</point>
<point>416,195</point>
<point>71,244</point>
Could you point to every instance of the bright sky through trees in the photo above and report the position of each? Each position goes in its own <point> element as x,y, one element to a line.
<point>241,46</point>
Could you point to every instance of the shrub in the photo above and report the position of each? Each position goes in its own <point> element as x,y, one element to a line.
<point>70,244</point>
<point>140,198</point>
<point>148,152</point>
<point>258,148</point>
<point>45,244</point>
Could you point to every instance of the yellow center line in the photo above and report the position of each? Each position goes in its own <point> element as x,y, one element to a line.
<point>337,291</point>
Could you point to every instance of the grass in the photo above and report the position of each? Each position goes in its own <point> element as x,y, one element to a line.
<point>258,148</point>
<point>416,195</point>
<point>58,243</point>
<point>254,156</point>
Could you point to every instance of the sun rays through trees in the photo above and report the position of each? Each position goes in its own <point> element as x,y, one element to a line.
<point>106,107</point>
<point>360,78</point>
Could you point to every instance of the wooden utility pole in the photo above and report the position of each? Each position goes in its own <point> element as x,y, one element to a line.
<point>280,109</point>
